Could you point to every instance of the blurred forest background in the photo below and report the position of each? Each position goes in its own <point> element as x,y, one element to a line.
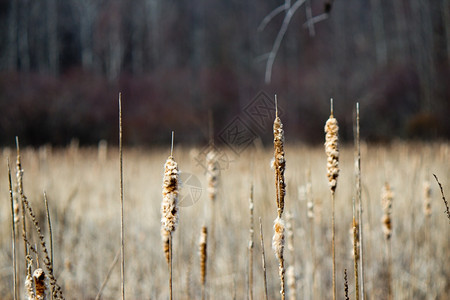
<point>63,63</point>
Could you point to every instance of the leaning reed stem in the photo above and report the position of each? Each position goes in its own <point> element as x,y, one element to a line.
<point>447,211</point>
<point>250,246</point>
<point>359,199</point>
<point>263,257</point>
<point>355,251</point>
<point>50,233</point>
<point>122,231</point>
<point>13,233</point>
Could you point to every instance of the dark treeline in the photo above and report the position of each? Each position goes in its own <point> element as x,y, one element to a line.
<point>63,63</point>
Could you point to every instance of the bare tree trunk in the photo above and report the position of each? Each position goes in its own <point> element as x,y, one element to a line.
<point>52,32</point>
<point>153,7</point>
<point>379,32</point>
<point>87,11</point>
<point>23,45</point>
<point>446,17</point>
<point>12,36</point>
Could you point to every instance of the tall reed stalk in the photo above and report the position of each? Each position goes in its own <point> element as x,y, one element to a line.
<point>387,197</point>
<point>122,231</point>
<point>279,164</point>
<point>332,151</point>
<point>13,234</point>
<point>169,209</point>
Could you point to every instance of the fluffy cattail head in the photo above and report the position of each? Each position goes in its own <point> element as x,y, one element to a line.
<point>279,163</point>
<point>332,151</point>
<point>427,198</point>
<point>386,200</point>
<point>40,284</point>
<point>278,237</point>
<point>203,253</point>
<point>169,209</point>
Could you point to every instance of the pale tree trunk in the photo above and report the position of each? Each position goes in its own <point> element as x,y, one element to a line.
<point>87,12</point>
<point>379,32</point>
<point>423,49</point>
<point>152,8</point>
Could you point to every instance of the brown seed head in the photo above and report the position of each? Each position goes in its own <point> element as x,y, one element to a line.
<point>279,163</point>
<point>169,209</point>
<point>203,253</point>
<point>332,151</point>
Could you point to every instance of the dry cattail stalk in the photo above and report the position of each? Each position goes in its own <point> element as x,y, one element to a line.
<point>250,246</point>
<point>203,258</point>
<point>278,247</point>
<point>290,246</point>
<point>355,250</point>
<point>263,258</point>
<point>122,227</point>
<point>56,289</point>
<point>169,209</point>
<point>386,200</point>
<point>427,198</point>
<point>13,233</point>
<point>279,162</point>
<point>359,219</point>
<point>332,151</point>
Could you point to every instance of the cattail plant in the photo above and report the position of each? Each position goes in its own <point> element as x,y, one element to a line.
<point>290,271</point>
<point>263,259</point>
<point>311,215</point>
<point>169,209</point>
<point>203,258</point>
<point>13,233</point>
<point>332,151</point>
<point>279,164</point>
<point>355,238</point>
<point>386,201</point>
<point>250,246</point>
<point>359,218</point>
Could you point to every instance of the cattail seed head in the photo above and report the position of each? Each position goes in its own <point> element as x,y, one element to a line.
<point>386,200</point>
<point>278,237</point>
<point>40,284</point>
<point>279,163</point>
<point>169,209</point>
<point>203,253</point>
<point>427,198</point>
<point>332,151</point>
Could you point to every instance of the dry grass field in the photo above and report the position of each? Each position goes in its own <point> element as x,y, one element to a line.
<point>83,186</point>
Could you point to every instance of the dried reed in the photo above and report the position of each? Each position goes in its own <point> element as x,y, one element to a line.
<point>169,209</point>
<point>279,164</point>
<point>203,243</point>
<point>359,198</point>
<point>332,151</point>
<point>263,258</point>
<point>122,227</point>
<point>355,250</point>
<point>250,246</point>
<point>386,200</point>
<point>447,211</point>
<point>13,234</point>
